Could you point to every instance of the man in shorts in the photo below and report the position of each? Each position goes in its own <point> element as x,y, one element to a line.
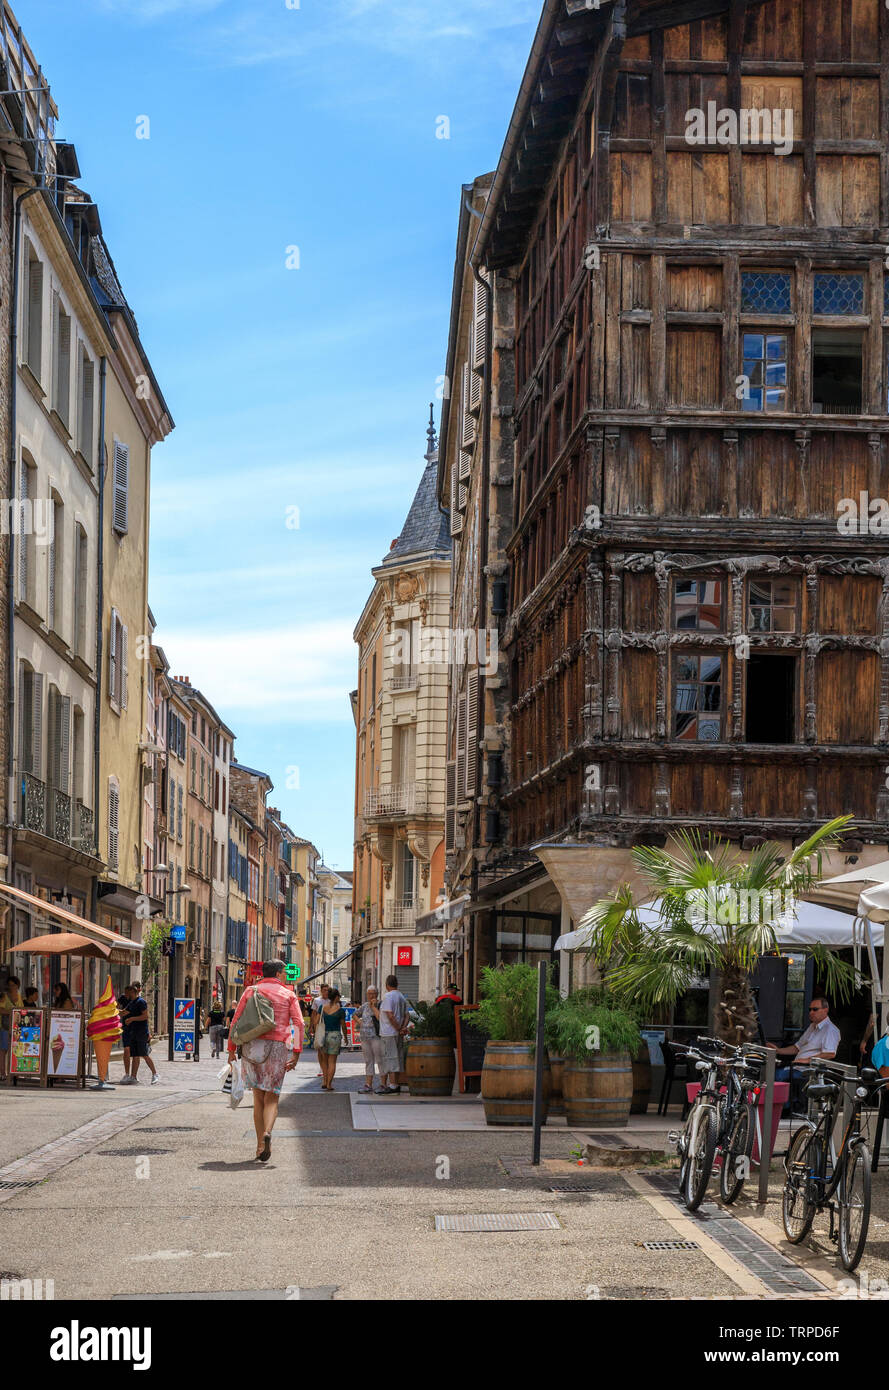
<point>136,1017</point>
<point>393,1026</point>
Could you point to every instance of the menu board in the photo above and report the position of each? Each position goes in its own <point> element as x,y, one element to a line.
<point>65,1032</point>
<point>26,1049</point>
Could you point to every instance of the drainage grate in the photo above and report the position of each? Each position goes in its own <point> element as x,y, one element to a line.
<point>167,1129</point>
<point>499,1221</point>
<point>28,1182</point>
<point>669,1245</point>
<point>586,1185</point>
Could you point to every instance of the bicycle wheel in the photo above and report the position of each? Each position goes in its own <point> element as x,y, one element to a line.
<point>700,1159</point>
<point>797,1199</point>
<point>853,1201</point>
<point>736,1155</point>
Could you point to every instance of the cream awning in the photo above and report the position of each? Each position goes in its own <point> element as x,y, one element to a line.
<point>60,915</point>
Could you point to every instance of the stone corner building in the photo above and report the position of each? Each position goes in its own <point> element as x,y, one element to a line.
<point>670,381</point>
<point>400,712</point>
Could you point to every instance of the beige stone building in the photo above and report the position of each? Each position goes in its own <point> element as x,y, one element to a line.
<point>405,646</point>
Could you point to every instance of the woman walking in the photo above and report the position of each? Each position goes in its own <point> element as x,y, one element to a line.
<point>329,1036</point>
<point>217,1027</point>
<point>268,1057</point>
<point>371,1043</point>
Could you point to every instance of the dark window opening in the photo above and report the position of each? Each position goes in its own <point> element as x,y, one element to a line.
<point>771,696</point>
<point>837,363</point>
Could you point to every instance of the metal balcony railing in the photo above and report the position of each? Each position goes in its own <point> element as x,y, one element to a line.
<point>399,799</point>
<point>402,916</point>
<point>84,829</point>
<point>33,803</point>
<point>404,679</point>
<point>60,816</point>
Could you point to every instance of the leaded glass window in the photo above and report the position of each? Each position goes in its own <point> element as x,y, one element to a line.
<point>838,293</point>
<point>697,605</point>
<point>772,605</point>
<point>697,701</point>
<point>765,292</point>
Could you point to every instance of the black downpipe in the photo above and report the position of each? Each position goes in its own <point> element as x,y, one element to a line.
<point>485,416</point>
<point>12,550</point>
<point>100,595</point>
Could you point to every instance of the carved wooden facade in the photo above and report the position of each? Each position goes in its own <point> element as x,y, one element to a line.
<point>701,382</point>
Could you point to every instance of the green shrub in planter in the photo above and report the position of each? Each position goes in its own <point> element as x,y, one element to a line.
<point>507,1009</point>
<point>436,1021</point>
<point>570,1023</point>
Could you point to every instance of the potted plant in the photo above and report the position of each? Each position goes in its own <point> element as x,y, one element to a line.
<point>597,1038</point>
<point>507,1013</point>
<point>715,910</point>
<point>430,1063</point>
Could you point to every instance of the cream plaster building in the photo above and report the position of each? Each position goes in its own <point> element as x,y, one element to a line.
<point>405,648</point>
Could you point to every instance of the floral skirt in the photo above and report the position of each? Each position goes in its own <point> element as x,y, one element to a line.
<point>265,1064</point>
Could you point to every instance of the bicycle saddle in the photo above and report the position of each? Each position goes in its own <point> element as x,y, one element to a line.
<point>821,1090</point>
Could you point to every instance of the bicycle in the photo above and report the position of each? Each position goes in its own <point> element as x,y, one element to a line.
<point>816,1173</point>
<point>721,1119</point>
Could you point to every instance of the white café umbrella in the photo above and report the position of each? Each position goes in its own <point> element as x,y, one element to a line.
<point>872,911</point>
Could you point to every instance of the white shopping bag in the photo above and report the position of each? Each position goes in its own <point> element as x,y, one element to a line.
<point>236,1094</point>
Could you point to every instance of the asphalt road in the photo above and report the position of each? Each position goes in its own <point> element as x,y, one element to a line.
<point>172,1203</point>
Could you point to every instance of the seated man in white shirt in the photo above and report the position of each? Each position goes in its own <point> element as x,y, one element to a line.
<point>820,1040</point>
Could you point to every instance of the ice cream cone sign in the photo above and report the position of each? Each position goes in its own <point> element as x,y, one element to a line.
<point>104,1028</point>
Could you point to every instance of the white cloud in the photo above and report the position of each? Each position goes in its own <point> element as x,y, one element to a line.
<point>298,674</point>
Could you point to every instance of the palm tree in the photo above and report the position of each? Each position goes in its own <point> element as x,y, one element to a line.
<point>715,911</point>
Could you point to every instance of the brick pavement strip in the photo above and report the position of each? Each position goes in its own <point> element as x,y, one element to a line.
<point>49,1158</point>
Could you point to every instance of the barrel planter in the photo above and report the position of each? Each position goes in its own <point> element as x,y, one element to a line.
<point>556,1101</point>
<point>508,1083</point>
<point>598,1092</point>
<point>641,1080</point>
<point>430,1066</point>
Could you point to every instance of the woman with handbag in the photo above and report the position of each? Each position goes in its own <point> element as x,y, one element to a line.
<point>268,1027</point>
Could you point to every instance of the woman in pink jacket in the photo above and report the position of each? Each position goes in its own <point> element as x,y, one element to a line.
<point>268,1057</point>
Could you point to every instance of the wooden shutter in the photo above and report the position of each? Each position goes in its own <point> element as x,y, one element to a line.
<point>112,657</point>
<point>80,557</point>
<point>24,698</point>
<point>51,566</point>
<point>122,658</point>
<point>479,325</point>
<point>450,800</point>
<point>36,723</point>
<point>53,735</point>
<point>473,733</point>
<point>468,428</point>
<point>34,347</point>
<point>461,745</point>
<point>113,823</point>
<point>456,513</point>
<point>121,486</point>
<point>23,531</point>
<point>61,376</point>
<point>87,387</point>
<point>62,752</point>
<point>475,391</point>
<point>464,472</point>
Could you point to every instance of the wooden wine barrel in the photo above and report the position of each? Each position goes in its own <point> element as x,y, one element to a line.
<point>508,1083</point>
<point>556,1102</point>
<point>430,1066</point>
<point>641,1080</point>
<point>598,1093</point>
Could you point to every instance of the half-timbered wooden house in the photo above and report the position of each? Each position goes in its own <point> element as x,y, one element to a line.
<point>686,242</point>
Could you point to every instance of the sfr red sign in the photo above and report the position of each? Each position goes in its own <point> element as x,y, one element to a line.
<point>405,955</point>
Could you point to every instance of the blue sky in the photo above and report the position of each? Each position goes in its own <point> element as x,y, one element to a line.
<point>270,128</point>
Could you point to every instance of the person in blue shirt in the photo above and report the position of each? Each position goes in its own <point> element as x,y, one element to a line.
<point>879,1057</point>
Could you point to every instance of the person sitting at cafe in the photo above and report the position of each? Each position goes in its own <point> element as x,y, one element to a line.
<point>32,994</point>
<point>819,1042</point>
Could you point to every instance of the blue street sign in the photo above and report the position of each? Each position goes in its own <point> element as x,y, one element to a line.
<point>177,933</point>
<point>183,1026</point>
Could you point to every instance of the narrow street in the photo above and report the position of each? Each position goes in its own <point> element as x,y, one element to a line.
<point>164,1176</point>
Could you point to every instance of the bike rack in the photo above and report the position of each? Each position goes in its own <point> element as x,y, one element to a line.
<point>767,1056</point>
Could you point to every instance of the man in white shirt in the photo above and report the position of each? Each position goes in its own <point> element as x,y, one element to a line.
<point>820,1040</point>
<point>393,1025</point>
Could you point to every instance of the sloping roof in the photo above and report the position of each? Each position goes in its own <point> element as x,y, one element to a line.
<point>426,530</point>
